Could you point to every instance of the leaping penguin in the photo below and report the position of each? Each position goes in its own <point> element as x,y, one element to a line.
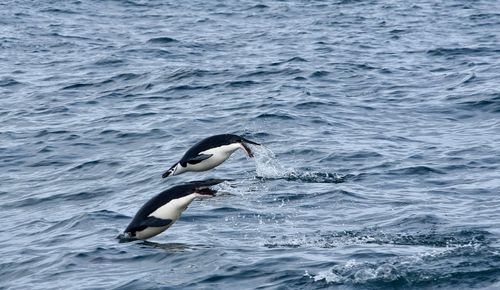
<point>209,153</point>
<point>161,211</point>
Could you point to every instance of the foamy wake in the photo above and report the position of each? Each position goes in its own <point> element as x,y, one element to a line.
<point>403,268</point>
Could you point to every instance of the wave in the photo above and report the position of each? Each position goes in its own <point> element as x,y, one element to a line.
<point>77,86</point>
<point>277,115</point>
<point>8,82</point>
<point>87,165</point>
<point>121,79</point>
<point>110,62</point>
<point>162,40</point>
<point>416,170</point>
<point>82,221</point>
<point>58,11</point>
<point>462,51</point>
<point>259,7</point>
<point>307,104</point>
<point>319,74</point>
<point>291,60</point>
<point>287,71</point>
<point>483,102</point>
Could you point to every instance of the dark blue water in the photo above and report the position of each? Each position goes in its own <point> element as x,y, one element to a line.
<point>381,121</point>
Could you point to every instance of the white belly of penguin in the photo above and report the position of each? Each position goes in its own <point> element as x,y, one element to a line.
<point>219,155</point>
<point>171,210</point>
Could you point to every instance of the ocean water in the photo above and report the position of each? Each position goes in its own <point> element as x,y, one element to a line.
<point>380,122</point>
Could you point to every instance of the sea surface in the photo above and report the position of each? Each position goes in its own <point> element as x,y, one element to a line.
<point>380,125</point>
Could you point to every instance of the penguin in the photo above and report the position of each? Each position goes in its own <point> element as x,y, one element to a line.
<point>209,153</point>
<point>161,211</point>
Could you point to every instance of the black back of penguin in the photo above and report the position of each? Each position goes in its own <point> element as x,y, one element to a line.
<point>165,197</point>
<point>209,143</point>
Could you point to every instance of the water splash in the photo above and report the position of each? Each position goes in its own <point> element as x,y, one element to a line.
<point>226,188</point>
<point>267,166</point>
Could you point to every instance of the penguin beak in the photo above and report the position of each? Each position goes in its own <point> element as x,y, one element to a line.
<point>169,172</point>
<point>244,143</point>
<point>206,191</point>
<point>246,148</point>
<point>249,142</point>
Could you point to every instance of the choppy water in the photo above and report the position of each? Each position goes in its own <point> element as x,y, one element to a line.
<point>383,117</point>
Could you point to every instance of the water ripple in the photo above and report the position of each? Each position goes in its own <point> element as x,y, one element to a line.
<point>381,117</point>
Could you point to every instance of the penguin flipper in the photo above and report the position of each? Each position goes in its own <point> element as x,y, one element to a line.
<point>152,221</point>
<point>199,158</point>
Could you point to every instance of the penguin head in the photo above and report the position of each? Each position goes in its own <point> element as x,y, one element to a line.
<point>205,192</point>
<point>202,188</point>
<point>171,171</point>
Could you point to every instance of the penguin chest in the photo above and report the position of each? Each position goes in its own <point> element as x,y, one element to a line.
<point>150,232</point>
<point>219,155</point>
<point>173,209</point>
